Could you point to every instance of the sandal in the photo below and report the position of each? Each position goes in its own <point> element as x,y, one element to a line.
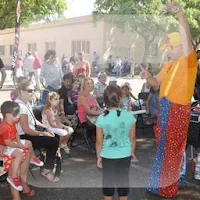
<point>48,174</point>
<point>30,192</point>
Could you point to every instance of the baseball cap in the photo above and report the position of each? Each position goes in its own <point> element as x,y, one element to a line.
<point>173,39</point>
<point>126,85</point>
<point>101,73</point>
<point>113,79</point>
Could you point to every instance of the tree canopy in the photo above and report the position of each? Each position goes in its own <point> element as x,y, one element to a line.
<point>31,10</point>
<point>146,18</point>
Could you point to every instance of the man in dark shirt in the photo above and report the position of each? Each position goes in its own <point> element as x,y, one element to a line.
<point>65,106</point>
<point>3,73</point>
<point>73,59</point>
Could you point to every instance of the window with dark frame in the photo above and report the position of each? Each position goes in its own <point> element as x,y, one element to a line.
<point>11,49</point>
<point>32,47</point>
<point>80,46</point>
<point>2,50</point>
<point>50,46</point>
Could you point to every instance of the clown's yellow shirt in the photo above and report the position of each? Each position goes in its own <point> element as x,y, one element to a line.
<point>178,79</point>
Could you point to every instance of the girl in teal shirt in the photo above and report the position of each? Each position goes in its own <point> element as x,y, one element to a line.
<point>115,144</point>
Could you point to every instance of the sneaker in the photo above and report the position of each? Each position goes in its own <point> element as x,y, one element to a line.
<point>66,149</point>
<point>36,161</point>
<point>15,183</point>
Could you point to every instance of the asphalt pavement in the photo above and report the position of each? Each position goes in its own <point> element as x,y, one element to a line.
<point>81,179</point>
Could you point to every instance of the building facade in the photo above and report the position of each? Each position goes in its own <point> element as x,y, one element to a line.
<point>75,35</point>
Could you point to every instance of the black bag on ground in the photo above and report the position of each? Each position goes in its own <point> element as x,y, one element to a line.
<point>194,134</point>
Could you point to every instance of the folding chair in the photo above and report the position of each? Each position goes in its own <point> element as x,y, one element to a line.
<point>79,130</point>
<point>3,174</point>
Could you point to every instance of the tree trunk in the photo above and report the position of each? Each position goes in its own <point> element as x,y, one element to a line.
<point>146,50</point>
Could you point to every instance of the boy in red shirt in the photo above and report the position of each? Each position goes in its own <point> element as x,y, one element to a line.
<point>18,149</point>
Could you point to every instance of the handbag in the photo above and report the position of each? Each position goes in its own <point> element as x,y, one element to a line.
<point>194,134</point>
<point>35,110</point>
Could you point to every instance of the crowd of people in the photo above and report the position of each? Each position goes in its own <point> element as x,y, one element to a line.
<point>75,92</point>
<point>120,66</point>
<point>70,89</point>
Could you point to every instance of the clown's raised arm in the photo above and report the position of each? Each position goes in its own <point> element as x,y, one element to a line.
<point>177,44</point>
<point>184,31</point>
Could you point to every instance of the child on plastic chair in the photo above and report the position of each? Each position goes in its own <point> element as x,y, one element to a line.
<point>52,121</point>
<point>20,151</point>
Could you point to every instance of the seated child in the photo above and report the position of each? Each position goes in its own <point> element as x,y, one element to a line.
<point>99,88</point>
<point>74,92</point>
<point>126,103</point>
<point>52,121</point>
<point>18,149</point>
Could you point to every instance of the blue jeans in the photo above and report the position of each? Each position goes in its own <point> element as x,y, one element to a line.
<point>182,181</point>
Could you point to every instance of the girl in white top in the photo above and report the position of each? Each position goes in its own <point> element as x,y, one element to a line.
<point>51,120</point>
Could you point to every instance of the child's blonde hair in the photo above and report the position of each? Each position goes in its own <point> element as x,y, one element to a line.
<point>84,81</point>
<point>50,96</point>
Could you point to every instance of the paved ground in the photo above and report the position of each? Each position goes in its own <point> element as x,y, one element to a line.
<point>81,180</point>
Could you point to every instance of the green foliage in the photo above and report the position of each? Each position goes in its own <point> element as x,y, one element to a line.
<point>31,11</point>
<point>145,16</point>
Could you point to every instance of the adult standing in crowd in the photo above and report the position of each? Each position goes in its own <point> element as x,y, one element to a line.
<point>19,67</point>
<point>3,73</point>
<point>82,67</point>
<point>27,128</point>
<point>73,59</point>
<point>95,59</point>
<point>51,72</point>
<point>36,67</point>
<point>110,63</point>
<point>132,67</point>
<point>176,80</point>
<point>28,65</point>
<point>118,67</point>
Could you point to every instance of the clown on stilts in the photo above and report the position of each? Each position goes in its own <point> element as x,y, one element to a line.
<point>176,81</point>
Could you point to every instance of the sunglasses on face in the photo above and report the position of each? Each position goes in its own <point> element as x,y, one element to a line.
<point>29,90</point>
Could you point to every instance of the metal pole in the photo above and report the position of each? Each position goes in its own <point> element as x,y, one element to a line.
<point>17,35</point>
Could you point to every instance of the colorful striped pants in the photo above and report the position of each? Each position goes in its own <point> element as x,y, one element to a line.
<point>168,171</point>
